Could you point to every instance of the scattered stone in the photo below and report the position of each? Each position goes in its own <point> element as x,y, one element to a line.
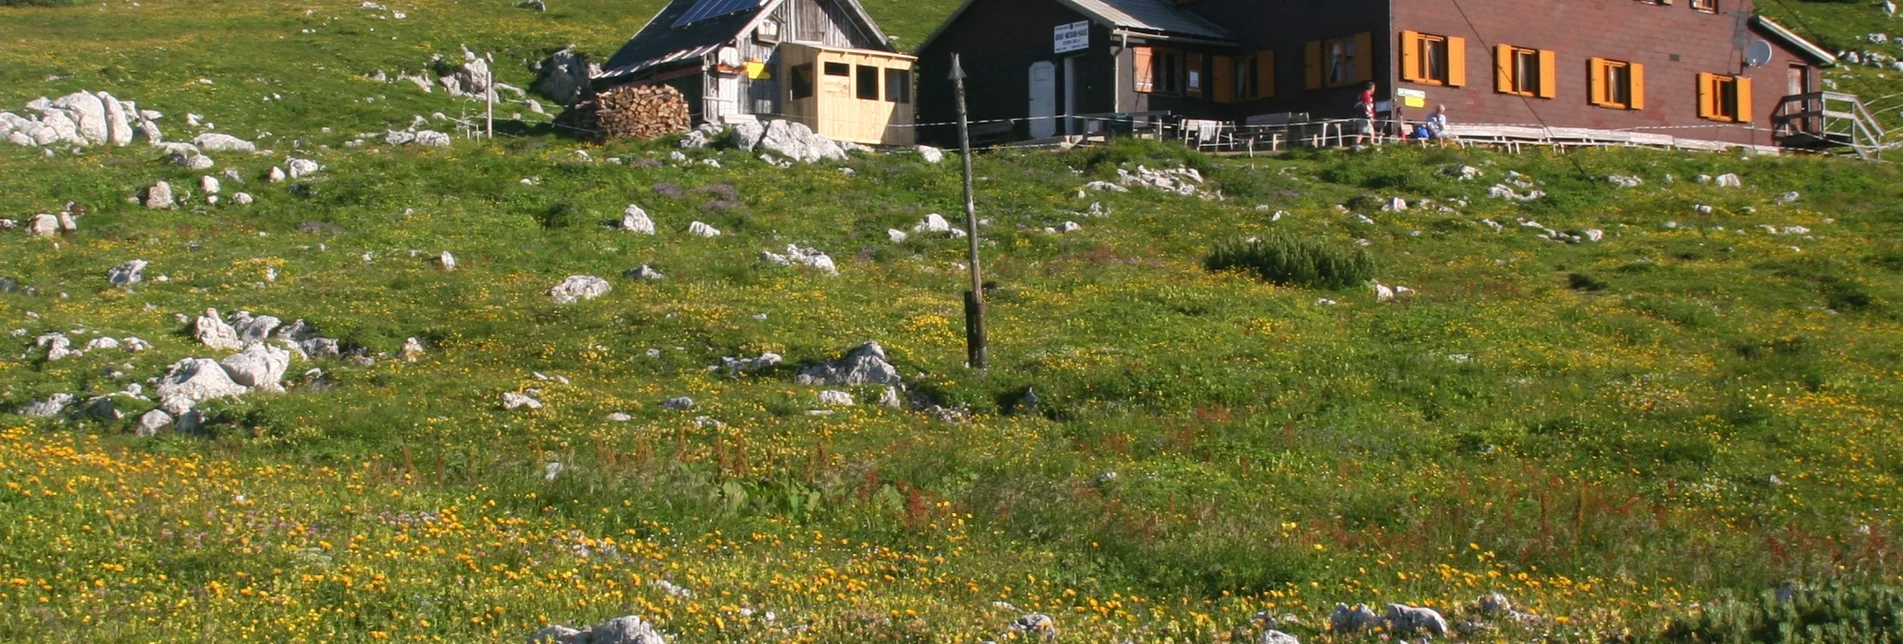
<point>634,219</point>
<point>795,141</point>
<point>933,223</point>
<point>412,349</point>
<point>1408,620</point>
<point>865,364</point>
<point>127,274</point>
<point>700,229</point>
<point>102,343</point>
<point>1277,637</point>
<point>1345,620</point>
<point>1395,204</point>
<point>42,226</point>
<point>1493,605</point>
<point>737,366</point>
<point>1036,625</point>
<point>1462,172</point>
<point>1729,181</point>
<point>620,630</point>
<point>253,329</point>
<point>835,398</point>
<point>1593,234</point>
<point>1625,181</point>
<point>47,407</point>
<point>57,346</point>
<point>276,175</point>
<point>1788,198</point>
<point>302,167</point>
<point>619,417</point>
<point>809,257</point>
<point>446,261</point>
<point>1702,209</point>
<point>215,142</point>
<point>242,199</point>
<point>564,76</point>
<point>889,397</point>
<point>896,236</point>
<point>678,403</point>
<point>1180,181</point>
<point>1502,191</point>
<point>153,422</point>
<point>208,184</point>
<point>199,379</point>
<point>931,154</point>
<point>1069,227</point>
<point>212,331</point>
<point>260,366</point>
<point>579,287</point>
<point>644,272</point>
<point>159,196</point>
<point>512,400</point>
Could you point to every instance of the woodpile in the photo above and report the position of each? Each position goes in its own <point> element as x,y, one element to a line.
<point>629,112</point>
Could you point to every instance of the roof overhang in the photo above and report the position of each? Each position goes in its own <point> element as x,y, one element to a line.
<point>1791,39</point>
<point>1095,17</point>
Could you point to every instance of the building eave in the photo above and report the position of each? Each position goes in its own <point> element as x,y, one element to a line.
<point>1790,38</point>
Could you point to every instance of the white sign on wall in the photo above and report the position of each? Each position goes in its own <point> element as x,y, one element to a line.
<point>1072,37</point>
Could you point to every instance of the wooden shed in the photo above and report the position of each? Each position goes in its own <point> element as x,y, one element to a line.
<point>849,94</point>
<point>735,60</point>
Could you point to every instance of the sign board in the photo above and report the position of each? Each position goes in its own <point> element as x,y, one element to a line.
<point>1071,37</point>
<point>1410,93</point>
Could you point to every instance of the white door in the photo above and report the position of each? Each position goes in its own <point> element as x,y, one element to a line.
<point>726,99</point>
<point>1070,96</point>
<point>1043,100</point>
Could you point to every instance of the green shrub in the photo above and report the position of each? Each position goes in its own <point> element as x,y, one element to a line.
<point>1830,614</point>
<point>1288,260</point>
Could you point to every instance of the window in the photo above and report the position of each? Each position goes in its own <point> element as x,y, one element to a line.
<point>868,78</point>
<point>1339,62</point>
<point>1707,6</point>
<point>1247,78</point>
<point>1193,75</point>
<point>1724,98</point>
<point>1433,60</point>
<point>1616,84</point>
<point>1525,72</point>
<point>898,85</point>
<point>838,69</point>
<point>1161,71</point>
<point>800,81</point>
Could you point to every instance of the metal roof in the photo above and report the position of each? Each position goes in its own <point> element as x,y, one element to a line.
<point>1150,15</point>
<point>1797,42</point>
<point>662,43</point>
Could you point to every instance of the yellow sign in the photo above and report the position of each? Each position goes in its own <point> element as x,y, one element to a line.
<point>757,71</point>
<point>1414,101</point>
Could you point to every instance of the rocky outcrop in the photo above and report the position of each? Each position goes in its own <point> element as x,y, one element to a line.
<point>199,379</point>
<point>579,287</point>
<point>563,76</point>
<point>864,365</point>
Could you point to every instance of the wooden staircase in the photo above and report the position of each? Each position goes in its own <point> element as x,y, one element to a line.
<point>1829,120</point>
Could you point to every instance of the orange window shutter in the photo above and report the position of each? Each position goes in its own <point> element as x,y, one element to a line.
<point>1410,56</point>
<point>1314,63</point>
<point>1364,56</point>
<point>1596,79</point>
<point>1145,74</point>
<point>1708,96</point>
<point>1264,74</point>
<point>1222,78</point>
<point>1744,100</point>
<point>1638,86</point>
<point>1503,69</point>
<point>1457,62</point>
<point>1549,74</point>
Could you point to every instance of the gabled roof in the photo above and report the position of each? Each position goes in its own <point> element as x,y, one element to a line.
<point>660,42</point>
<point>1794,41</point>
<point>1160,17</point>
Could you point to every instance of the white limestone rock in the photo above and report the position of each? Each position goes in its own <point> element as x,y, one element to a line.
<point>47,407</point>
<point>159,197</point>
<point>153,422</point>
<point>579,287</point>
<point>212,331</point>
<point>636,220</point>
<point>260,366</point>
<point>864,365</point>
<point>512,401</point>
<point>118,120</point>
<point>127,274</point>
<point>42,226</point>
<point>701,229</point>
<point>199,379</point>
<point>302,167</point>
<point>1409,620</point>
<point>216,142</point>
<point>88,114</point>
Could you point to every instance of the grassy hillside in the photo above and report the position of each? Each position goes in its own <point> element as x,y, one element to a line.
<point>1611,433</point>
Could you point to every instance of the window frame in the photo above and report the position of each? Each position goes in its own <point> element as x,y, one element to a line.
<point>1511,64</point>
<point>1338,66</point>
<point>1433,59</point>
<point>1725,98</point>
<point>1616,84</point>
<point>861,75</point>
<point>1324,61</point>
<point>844,69</point>
<point>801,77</point>
<point>898,86</point>
<point>1704,6</point>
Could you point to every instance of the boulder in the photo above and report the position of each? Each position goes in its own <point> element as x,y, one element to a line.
<point>1036,625</point>
<point>620,630</point>
<point>47,407</point>
<point>432,139</point>
<point>931,154</point>
<point>644,272</point>
<point>153,422</point>
<point>1409,620</point>
<point>700,229</point>
<point>678,403</point>
<point>302,167</point>
<point>579,287</point>
<point>799,143</point>
<point>835,398</point>
<point>446,261</point>
<point>88,114</point>
<point>211,331</point>
<point>809,257</point>
<point>216,142</point>
<point>745,134</point>
<point>159,196</point>
<point>57,346</point>
<point>103,409</point>
<point>1277,637</point>
<point>276,175</point>
<point>42,226</point>
<point>634,219</point>
<point>865,364</point>
<point>241,198</point>
<point>412,349</point>
<point>199,379</point>
<point>208,184</point>
<point>1493,605</point>
<point>118,120</point>
<point>1729,181</point>
<point>1625,181</point>
<point>254,328</point>
<point>127,274</point>
<point>933,223</point>
<point>260,366</point>
<point>102,343</point>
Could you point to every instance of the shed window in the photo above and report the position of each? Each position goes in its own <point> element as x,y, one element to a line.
<point>800,81</point>
<point>898,85</point>
<point>1338,62</point>
<point>1725,98</point>
<point>1433,60</point>
<point>1525,72</point>
<point>868,83</point>
<point>838,69</point>
<point>1617,84</point>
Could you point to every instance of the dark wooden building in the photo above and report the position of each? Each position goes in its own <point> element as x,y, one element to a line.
<point>820,62</point>
<point>1705,69</point>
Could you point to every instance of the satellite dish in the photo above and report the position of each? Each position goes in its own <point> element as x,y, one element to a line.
<point>1758,54</point>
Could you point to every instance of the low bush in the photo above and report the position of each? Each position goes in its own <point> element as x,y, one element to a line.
<point>1295,261</point>
<point>1833,613</point>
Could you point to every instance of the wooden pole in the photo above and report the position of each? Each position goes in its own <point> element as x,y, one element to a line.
<point>975,342</point>
<point>489,108</point>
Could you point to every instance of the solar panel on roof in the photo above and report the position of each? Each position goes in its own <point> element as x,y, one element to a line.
<point>710,9</point>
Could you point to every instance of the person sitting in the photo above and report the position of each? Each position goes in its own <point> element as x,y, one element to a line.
<point>1437,123</point>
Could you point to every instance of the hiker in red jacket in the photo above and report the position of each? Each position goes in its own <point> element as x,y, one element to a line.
<point>1364,123</point>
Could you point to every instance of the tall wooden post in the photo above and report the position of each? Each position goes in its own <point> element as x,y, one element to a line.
<point>975,343</point>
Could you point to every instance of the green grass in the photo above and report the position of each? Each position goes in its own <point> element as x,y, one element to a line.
<point>1591,428</point>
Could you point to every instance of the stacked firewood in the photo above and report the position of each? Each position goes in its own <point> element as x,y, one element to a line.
<point>629,112</point>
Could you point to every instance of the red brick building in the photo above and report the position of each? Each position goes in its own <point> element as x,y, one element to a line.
<point>1675,67</point>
